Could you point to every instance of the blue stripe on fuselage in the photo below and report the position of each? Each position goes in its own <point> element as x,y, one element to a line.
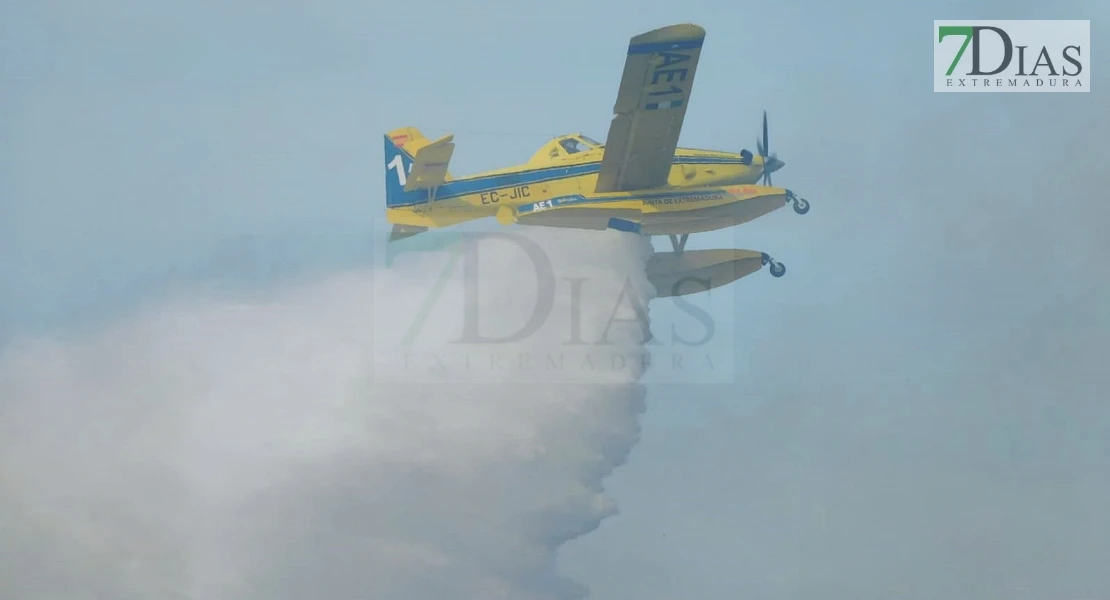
<point>477,185</point>
<point>572,199</point>
<point>487,183</point>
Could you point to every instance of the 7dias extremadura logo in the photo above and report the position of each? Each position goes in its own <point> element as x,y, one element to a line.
<point>1011,56</point>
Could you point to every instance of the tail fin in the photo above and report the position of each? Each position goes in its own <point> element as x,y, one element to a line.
<point>413,165</point>
<point>409,139</point>
<point>398,166</point>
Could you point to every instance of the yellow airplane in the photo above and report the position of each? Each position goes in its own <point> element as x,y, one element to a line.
<point>639,181</point>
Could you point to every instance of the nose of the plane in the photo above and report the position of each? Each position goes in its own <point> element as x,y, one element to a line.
<point>773,164</point>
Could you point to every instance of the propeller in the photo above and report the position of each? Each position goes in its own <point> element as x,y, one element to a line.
<point>771,163</point>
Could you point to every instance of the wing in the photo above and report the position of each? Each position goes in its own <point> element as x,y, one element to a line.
<point>651,104</point>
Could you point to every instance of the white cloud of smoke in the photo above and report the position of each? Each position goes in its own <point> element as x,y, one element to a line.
<point>214,448</point>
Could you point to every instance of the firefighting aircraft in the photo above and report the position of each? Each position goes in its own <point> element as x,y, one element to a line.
<point>639,181</point>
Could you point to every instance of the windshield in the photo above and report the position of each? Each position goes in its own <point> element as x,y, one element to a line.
<point>574,145</point>
<point>578,143</point>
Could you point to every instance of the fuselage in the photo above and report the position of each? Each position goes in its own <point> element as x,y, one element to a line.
<point>555,172</point>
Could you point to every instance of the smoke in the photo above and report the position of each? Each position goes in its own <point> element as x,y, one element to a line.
<point>265,446</point>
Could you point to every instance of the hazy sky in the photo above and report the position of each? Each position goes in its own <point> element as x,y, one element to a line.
<point>922,410</point>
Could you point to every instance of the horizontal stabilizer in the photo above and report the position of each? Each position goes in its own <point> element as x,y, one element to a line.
<point>429,168</point>
<point>401,232</point>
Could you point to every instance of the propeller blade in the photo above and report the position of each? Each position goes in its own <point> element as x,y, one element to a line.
<point>766,142</point>
<point>759,147</point>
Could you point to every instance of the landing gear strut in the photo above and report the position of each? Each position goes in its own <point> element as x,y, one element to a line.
<point>777,269</point>
<point>801,205</point>
<point>678,242</point>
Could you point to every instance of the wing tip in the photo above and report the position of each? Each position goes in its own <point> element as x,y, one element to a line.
<point>680,31</point>
<point>686,36</point>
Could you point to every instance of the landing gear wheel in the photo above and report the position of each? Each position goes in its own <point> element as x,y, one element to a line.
<point>801,205</point>
<point>777,269</point>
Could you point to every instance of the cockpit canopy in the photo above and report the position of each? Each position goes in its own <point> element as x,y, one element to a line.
<point>565,146</point>
<point>576,143</point>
